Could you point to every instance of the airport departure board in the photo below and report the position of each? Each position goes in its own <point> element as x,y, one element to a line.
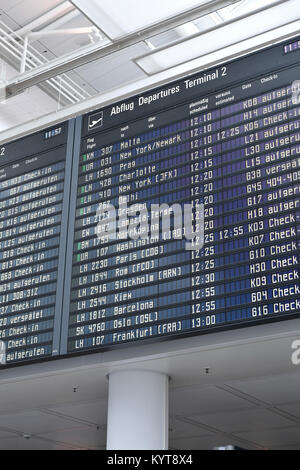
<point>228,140</point>
<point>32,196</point>
<point>172,213</point>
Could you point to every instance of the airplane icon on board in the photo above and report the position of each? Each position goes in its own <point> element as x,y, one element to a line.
<point>96,121</point>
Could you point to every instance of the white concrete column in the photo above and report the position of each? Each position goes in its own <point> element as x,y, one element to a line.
<point>138,410</point>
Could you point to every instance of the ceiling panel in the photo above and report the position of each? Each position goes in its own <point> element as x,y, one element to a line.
<point>95,413</point>
<point>7,19</point>
<point>291,408</point>
<point>35,422</point>
<point>28,10</point>
<point>181,430</point>
<point>85,438</point>
<point>7,5</point>
<point>239,421</point>
<point>116,18</point>
<point>274,437</point>
<point>117,77</point>
<point>196,400</point>
<point>113,71</point>
<point>110,64</point>
<point>52,391</point>
<point>272,390</point>
<point>6,434</point>
<point>208,443</point>
<point>31,444</point>
<point>64,44</point>
<point>296,447</point>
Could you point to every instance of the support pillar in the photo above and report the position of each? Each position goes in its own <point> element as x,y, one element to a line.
<point>138,410</point>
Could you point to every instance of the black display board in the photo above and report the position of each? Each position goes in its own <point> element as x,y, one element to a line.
<point>227,140</point>
<point>34,200</point>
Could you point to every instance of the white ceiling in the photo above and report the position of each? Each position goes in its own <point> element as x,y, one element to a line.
<point>201,416</point>
<point>115,19</point>
<point>249,399</point>
<point>215,417</point>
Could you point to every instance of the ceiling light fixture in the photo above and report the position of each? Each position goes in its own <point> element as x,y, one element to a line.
<point>229,33</point>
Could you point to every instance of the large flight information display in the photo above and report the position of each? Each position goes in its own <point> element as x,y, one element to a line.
<point>228,139</point>
<point>172,213</point>
<point>32,182</point>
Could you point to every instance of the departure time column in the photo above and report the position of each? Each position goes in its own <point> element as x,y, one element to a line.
<point>206,186</point>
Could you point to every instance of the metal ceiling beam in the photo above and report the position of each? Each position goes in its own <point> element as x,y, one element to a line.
<point>51,15</point>
<point>11,49</point>
<point>67,63</point>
